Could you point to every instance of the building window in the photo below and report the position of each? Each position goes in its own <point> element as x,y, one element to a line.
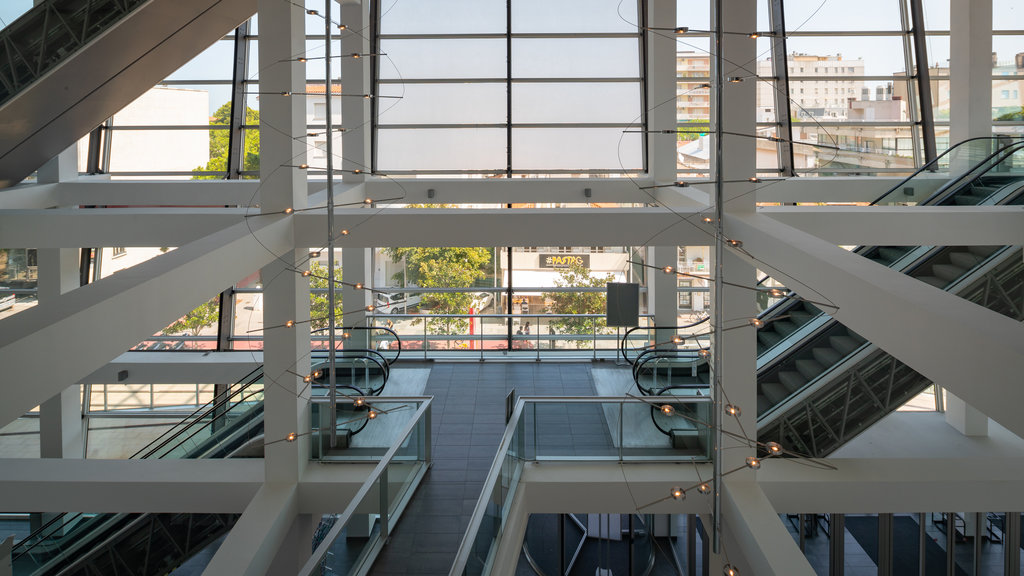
<point>118,251</point>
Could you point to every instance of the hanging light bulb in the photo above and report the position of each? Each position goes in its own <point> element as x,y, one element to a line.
<point>730,570</point>
<point>306,273</point>
<point>677,493</point>
<point>308,378</point>
<point>682,30</point>
<point>358,286</point>
<point>753,462</point>
<point>356,55</point>
<point>368,201</point>
<point>301,59</point>
<point>303,166</point>
<point>371,414</point>
<point>681,184</point>
<point>678,339</point>
<point>668,270</point>
<point>776,293</point>
<point>667,409</point>
<point>734,79</point>
<point>316,374</point>
<point>704,488</point>
<point>732,410</point>
<point>291,437</point>
<point>342,27</point>
<point>708,219</point>
<point>360,401</point>
<point>704,353</point>
<point>312,12</point>
<point>314,254</point>
<point>344,232</point>
<point>735,243</point>
<point>754,179</point>
<point>774,448</point>
<point>756,322</point>
<point>289,324</point>
<point>754,35</point>
<point>371,308</point>
<point>288,210</point>
<point>345,335</point>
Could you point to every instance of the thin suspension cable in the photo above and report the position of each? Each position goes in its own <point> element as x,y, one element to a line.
<point>716,410</point>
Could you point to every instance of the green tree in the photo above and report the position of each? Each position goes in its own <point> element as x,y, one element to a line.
<point>691,130</point>
<point>319,318</point>
<point>206,315</point>
<point>444,268</point>
<point>1011,116</point>
<point>219,144</point>
<point>575,303</point>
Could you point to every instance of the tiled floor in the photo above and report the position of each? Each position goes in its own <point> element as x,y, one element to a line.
<point>468,421</point>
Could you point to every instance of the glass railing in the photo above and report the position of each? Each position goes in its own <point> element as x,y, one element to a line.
<point>950,168</point>
<point>348,542</point>
<point>365,427</point>
<point>603,429</point>
<point>47,34</point>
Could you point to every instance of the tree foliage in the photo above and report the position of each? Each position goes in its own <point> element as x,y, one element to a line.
<point>219,144</point>
<point>206,315</point>
<point>573,304</point>
<point>444,268</point>
<point>318,305</point>
<point>1011,116</point>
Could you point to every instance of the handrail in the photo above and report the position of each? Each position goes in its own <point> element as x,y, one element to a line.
<point>935,161</point>
<point>480,510</point>
<point>328,540</point>
<point>625,337</point>
<point>972,174</point>
<point>150,448</point>
<point>384,328</point>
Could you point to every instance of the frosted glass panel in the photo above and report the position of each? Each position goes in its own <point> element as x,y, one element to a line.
<point>443,17</point>
<point>576,102</point>
<point>443,104</point>
<point>575,58</point>
<point>575,149</point>
<point>561,16</point>
<point>443,58</point>
<point>441,149</point>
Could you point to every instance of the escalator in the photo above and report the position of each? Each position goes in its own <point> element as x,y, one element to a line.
<point>68,65</point>
<point>230,425</point>
<point>819,383</point>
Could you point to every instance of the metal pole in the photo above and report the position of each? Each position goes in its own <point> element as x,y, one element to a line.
<point>924,88</point>
<point>716,415</point>
<point>331,337</point>
<point>781,86</point>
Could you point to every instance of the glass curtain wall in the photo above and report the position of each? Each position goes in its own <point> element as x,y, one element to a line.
<point>500,88</point>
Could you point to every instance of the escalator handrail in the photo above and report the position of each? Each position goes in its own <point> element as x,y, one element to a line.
<point>148,450</point>
<point>654,354</point>
<point>382,364</point>
<point>971,175</point>
<point>385,328</point>
<point>201,428</point>
<point>927,167</point>
<point>625,337</point>
<point>937,196</point>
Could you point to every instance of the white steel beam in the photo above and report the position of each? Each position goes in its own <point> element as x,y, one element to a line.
<point>763,541</point>
<point>79,485</point>
<point>253,542</point>
<point>907,225</point>
<point>972,351</point>
<point>90,325</point>
<point>76,228</point>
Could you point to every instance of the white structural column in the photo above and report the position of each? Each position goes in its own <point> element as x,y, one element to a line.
<point>764,546</point>
<point>970,69</point>
<point>735,354</point>
<point>661,94</point>
<point>355,154</point>
<point>61,168</point>
<point>285,292</point>
<point>661,291</point>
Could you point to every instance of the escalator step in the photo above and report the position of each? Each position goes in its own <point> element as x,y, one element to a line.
<point>826,356</point>
<point>983,251</point>
<point>793,381</point>
<point>948,272</point>
<point>809,369</point>
<point>800,317</point>
<point>937,282</point>
<point>964,260</point>
<point>844,344</point>
<point>768,337</point>
<point>891,254</point>
<point>773,392</point>
<point>785,327</point>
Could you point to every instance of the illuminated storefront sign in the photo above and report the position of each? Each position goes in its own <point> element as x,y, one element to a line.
<point>564,260</point>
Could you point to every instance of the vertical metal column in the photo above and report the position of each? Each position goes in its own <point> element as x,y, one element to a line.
<point>691,543</point>
<point>508,158</point>
<point>236,134</point>
<point>780,69</point>
<point>331,289</point>
<point>1011,543</point>
<point>836,544</point>
<point>924,89</point>
<point>950,543</point>
<point>922,543</point>
<point>885,551</point>
<point>716,415</point>
<point>978,527</point>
